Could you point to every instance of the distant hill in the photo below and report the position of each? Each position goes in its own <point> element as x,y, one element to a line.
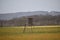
<point>39,18</point>
<point>21,18</point>
<point>9,16</point>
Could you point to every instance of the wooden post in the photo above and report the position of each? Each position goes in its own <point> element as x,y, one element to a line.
<point>30,22</point>
<point>1,23</point>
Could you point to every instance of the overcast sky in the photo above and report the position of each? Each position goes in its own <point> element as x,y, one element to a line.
<point>9,6</point>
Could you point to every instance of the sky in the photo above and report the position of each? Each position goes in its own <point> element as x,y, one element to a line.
<point>12,6</point>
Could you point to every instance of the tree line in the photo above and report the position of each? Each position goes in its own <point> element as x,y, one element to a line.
<point>38,20</point>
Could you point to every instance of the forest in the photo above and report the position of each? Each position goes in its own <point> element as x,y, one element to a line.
<point>38,20</point>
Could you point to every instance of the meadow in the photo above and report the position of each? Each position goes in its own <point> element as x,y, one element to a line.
<point>30,33</point>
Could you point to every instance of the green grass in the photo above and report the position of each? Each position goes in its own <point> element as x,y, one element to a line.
<point>30,30</point>
<point>36,33</point>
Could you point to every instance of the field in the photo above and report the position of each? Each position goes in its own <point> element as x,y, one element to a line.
<point>34,33</point>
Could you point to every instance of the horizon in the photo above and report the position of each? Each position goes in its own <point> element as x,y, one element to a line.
<point>30,11</point>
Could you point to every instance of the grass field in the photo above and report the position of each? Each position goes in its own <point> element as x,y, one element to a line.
<point>34,33</point>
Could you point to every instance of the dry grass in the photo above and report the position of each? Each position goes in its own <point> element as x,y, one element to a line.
<point>39,33</point>
<point>31,37</point>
